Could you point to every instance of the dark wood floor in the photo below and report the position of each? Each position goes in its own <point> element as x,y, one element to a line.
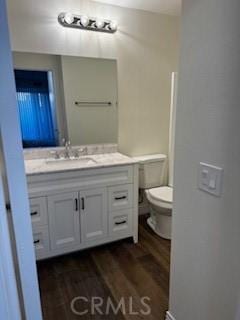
<point>112,272</point>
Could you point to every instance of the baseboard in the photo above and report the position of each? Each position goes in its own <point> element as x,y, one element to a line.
<point>169,316</point>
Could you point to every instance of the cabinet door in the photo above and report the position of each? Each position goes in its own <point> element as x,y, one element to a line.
<point>64,221</point>
<point>94,215</point>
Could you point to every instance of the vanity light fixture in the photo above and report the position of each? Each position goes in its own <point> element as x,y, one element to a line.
<point>68,18</point>
<point>84,22</point>
<point>113,26</point>
<point>99,24</point>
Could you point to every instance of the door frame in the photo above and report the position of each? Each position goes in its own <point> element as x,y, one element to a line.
<point>15,185</point>
<point>9,300</point>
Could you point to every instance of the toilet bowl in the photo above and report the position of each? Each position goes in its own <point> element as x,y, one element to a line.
<point>160,197</point>
<point>160,202</point>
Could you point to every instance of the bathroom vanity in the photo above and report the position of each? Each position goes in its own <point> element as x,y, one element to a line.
<point>81,203</point>
<point>83,193</point>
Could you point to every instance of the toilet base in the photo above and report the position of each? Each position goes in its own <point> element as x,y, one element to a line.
<point>161,225</point>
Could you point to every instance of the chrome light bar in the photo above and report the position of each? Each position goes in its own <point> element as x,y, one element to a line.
<point>87,23</point>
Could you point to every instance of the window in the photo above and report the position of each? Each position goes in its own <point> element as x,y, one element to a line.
<point>35,108</point>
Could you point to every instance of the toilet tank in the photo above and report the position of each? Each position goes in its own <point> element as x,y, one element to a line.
<point>151,170</point>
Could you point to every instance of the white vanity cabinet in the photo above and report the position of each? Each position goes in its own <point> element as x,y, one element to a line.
<point>73,210</point>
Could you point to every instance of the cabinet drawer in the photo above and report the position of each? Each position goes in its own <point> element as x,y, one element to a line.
<point>120,223</point>
<point>41,242</point>
<point>38,211</point>
<point>120,197</point>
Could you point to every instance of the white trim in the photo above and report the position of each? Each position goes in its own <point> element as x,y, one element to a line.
<point>135,202</point>
<point>172,127</point>
<point>9,305</point>
<point>14,173</point>
<point>169,316</point>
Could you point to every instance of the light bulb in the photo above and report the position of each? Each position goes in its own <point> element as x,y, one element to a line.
<point>99,24</point>
<point>84,20</point>
<point>113,26</point>
<point>68,18</point>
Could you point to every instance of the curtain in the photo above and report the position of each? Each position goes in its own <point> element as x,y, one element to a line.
<point>34,109</point>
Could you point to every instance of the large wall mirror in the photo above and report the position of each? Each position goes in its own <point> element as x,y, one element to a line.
<point>65,97</point>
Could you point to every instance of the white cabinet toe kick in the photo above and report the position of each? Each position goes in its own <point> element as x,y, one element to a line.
<point>76,210</point>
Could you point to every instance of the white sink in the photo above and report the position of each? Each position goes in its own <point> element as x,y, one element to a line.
<point>80,161</point>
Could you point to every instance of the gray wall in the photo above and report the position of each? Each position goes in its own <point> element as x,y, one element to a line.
<point>88,79</point>
<point>205,275</point>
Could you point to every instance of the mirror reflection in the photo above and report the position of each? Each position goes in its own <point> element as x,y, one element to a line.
<point>63,98</point>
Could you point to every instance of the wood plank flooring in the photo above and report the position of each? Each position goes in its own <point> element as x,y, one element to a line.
<point>118,274</point>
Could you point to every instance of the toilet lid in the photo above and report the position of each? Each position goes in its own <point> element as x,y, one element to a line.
<point>164,194</point>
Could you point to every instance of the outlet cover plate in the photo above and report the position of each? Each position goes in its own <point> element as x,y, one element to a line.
<point>210,179</point>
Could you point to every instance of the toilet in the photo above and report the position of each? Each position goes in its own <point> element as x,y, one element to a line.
<point>160,198</point>
<point>152,169</point>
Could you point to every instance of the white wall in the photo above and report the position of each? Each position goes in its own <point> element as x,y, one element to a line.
<point>88,79</point>
<point>146,47</point>
<point>205,275</point>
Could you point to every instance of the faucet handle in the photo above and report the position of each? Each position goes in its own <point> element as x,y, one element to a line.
<point>55,154</point>
<point>83,150</point>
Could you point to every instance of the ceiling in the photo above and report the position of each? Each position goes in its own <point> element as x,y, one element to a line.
<point>172,7</point>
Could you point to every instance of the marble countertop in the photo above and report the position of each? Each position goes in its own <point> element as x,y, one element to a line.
<point>45,166</point>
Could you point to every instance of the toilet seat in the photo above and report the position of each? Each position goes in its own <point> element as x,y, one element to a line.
<point>161,197</point>
<point>164,194</point>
